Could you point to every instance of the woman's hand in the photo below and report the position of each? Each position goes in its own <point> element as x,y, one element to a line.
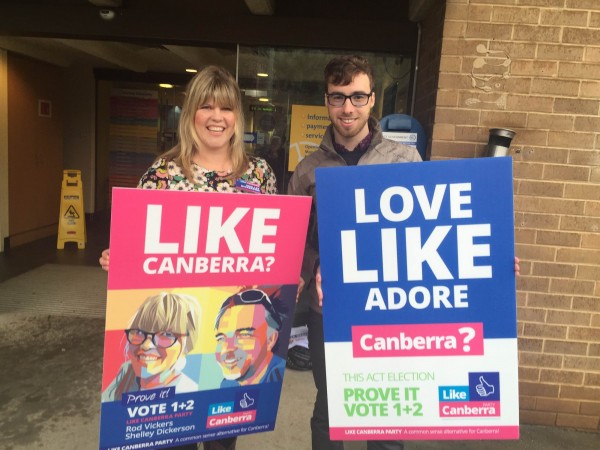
<point>517,267</point>
<point>104,259</point>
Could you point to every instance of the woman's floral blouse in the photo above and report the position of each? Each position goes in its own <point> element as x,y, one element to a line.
<point>259,178</point>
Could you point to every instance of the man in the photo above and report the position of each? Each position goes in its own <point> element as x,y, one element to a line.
<point>352,138</point>
<point>246,328</point>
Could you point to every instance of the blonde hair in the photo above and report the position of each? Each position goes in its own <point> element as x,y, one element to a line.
<point>177,313</point>
<point>211,84</point>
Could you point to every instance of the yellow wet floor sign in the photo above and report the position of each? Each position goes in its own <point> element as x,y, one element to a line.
<point>71,222</point>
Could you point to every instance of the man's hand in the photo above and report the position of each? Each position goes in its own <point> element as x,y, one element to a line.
<point>517,267</point>
<point>318,283</point>
<point>104,259</point>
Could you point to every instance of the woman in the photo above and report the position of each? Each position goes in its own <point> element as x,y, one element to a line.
<point>210,156</point>
<point>160,335</point>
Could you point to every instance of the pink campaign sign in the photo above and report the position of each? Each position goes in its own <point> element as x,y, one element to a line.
<point>180,263</point>
<point>205,239</point>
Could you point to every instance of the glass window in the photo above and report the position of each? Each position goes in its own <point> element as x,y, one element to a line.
<point>272,80</point>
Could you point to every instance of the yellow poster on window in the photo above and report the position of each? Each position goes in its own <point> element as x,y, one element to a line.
<point>308,126</point>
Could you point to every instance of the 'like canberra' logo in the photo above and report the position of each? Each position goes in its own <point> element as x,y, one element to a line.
<point>481,398</point>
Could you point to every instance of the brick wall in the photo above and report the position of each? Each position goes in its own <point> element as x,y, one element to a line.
<point>534,66</point>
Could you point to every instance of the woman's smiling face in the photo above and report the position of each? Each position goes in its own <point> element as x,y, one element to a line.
<point>215,125</point>
<point>148,358</point>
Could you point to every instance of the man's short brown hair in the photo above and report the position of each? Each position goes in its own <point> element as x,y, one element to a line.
<point>341,70</point>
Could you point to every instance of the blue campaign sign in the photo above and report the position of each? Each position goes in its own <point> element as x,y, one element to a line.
<point>417,226</point>
<point>419,303</point>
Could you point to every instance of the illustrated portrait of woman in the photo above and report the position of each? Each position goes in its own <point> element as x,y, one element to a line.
<point>160,335</point>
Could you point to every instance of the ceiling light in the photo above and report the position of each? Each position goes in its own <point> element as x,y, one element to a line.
<point>191,70</point>
<point>262,74</point>
<point>263,99</point>
<point>255,93</point>
<point>166,85</point>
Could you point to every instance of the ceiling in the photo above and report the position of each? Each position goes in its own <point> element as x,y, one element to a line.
<point>106,53</point>
<point>118,55</point>
<point>168,36</point>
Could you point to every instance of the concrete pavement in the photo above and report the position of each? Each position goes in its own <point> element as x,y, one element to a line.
<point>51,373</point>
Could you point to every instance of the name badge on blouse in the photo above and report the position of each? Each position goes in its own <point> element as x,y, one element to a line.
<point>247,187</point>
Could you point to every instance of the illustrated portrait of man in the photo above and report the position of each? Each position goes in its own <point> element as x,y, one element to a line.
<point>246,329</point>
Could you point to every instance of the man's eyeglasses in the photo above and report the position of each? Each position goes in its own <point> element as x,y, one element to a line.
<point>162,339</point>
<point>355,99</point>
